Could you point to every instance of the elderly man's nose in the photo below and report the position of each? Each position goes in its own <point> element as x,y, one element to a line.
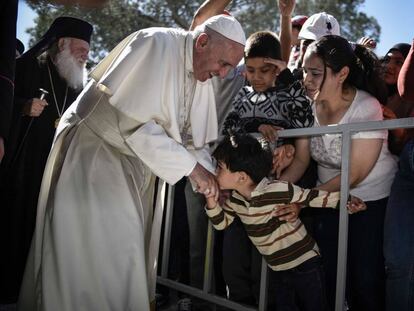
<point>223,72</point>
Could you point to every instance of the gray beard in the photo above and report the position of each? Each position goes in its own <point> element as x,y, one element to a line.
<point>69,69</point>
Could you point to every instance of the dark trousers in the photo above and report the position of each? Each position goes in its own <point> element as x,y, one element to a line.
<point>198,225</point>
<point>365,262</point>
<point>399,236</point>
<point>300,288</point>
<point>241,264</point>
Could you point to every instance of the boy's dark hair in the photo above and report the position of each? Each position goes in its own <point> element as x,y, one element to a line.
<point>263,44</point>
<point>242,152</point>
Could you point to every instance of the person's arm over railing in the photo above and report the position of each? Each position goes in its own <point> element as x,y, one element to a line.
<point>300,163</point>
<point>364,155</point>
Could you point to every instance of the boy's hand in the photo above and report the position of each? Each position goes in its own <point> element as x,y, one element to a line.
<point>282,158</point>
<point>211,201</point>
<point>269,132</point>
<point>280,64</point>
<point>355,205</point>
<point>205,181</point>
<point>224,195</point>
<point>287,212</point>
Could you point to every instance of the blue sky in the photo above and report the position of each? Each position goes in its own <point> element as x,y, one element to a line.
<point>396,18</point>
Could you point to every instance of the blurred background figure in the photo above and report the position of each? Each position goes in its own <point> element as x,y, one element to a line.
<point>395,106</point>
<point>399,218</point>
<point>297,23</point>
<point>8,17</point>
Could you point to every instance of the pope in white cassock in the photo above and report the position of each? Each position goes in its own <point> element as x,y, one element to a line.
<point>148,110</point>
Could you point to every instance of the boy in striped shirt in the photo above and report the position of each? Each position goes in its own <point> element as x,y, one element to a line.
<point>243,164</point>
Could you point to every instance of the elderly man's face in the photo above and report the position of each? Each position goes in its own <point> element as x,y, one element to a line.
<point>214,59</point>
<point>79,49</point>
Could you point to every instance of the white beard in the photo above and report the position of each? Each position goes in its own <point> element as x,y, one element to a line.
<point>69,69</point>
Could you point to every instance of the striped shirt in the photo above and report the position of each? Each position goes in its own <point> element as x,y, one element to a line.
<point>284,245</point>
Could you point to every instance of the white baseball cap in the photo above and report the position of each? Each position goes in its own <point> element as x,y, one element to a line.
<point>227,26</point>
<point>319,25</point>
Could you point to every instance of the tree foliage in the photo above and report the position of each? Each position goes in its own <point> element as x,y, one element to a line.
<point>121,17</point>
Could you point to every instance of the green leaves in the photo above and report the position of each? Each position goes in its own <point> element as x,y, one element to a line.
<point>119,18</point>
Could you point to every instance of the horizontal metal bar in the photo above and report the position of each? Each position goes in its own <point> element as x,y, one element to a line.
<point>202,295</point>
<point>331,129</point>
<point>352,127</point>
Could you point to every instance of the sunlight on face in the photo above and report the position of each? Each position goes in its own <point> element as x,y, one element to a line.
<point>260,75</point>
<point>313,73</point>
<point>213,59</point>
<point>79,50</point>
<point>226,179</point>
<point>392,64</point>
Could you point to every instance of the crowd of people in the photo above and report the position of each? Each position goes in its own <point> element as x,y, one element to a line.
<point>82,179</point>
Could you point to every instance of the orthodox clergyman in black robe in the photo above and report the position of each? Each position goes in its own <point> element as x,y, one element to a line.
<point>49,77</point>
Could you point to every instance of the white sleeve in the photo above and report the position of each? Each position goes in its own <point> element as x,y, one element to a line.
<point>203,157</point>
<point>368,109</point>
<point>163,155</point>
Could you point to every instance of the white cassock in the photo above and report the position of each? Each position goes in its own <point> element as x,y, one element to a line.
<point>96,240</point>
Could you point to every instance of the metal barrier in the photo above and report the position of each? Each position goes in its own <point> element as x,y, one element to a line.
<point>206,293</point>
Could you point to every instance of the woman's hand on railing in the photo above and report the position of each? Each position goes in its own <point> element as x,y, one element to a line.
<point>355,205</point>
<point>287,212</point>
<point>269,132</point>
<point>282,157</point>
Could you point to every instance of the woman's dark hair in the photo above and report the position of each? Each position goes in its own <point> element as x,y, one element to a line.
<point>263,44</point>
<point>244,153</point>
<point>364,67</point>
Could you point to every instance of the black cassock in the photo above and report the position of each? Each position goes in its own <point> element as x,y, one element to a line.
<point>22,168</point>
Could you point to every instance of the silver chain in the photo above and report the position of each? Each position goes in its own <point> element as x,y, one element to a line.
<point>187,106</point>
<point>59,111</point>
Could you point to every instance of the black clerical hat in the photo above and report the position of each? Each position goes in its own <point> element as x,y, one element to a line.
<point>19,46</point>
<point>403,48</point>
<point>61,27</point>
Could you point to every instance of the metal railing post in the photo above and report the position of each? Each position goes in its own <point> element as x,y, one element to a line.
<point>264,282</point>
<point>209,262</point>
<point>167,231</point>
<point>343,224</point>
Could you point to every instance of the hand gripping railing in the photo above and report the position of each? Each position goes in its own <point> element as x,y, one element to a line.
<point>206,293</point>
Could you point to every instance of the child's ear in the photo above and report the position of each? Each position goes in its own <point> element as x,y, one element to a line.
<point>243,177</point>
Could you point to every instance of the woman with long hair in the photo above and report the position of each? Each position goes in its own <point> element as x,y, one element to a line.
<point>344,82</point>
